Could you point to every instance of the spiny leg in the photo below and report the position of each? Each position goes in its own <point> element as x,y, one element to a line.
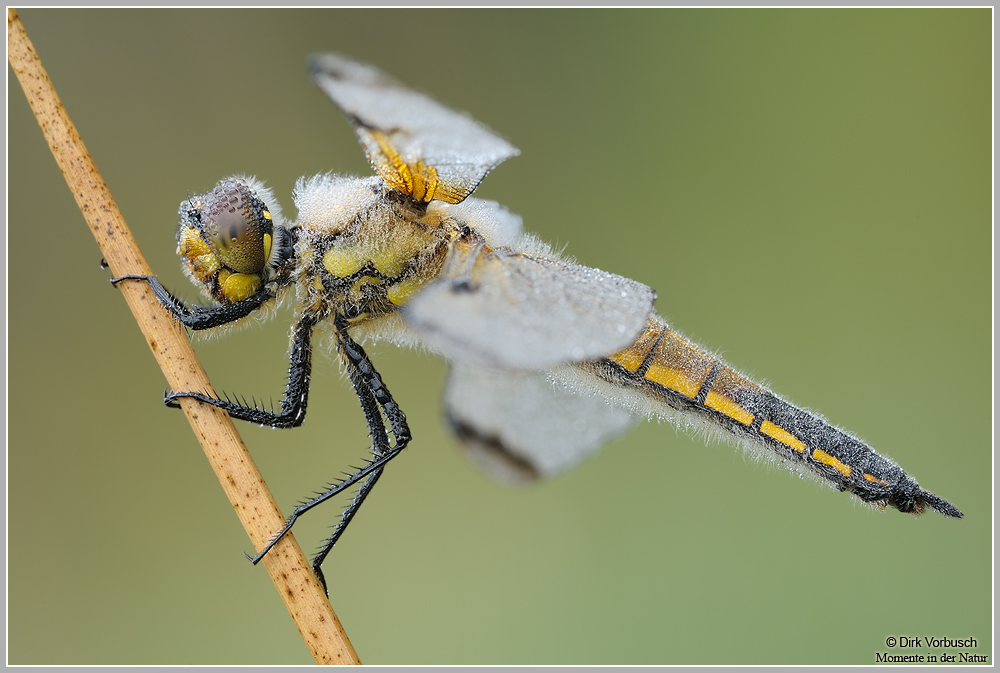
<point>375,401</point>
<point>374,397</point>
<point>381,454</point>
<point>373,468</point>
<point>369,387</point>
<point>293,404</point>
<point>197,317</point>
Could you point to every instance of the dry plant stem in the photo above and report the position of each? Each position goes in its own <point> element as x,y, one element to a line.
<point>288,567</point>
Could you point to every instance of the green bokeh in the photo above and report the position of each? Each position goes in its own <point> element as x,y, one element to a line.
<point>808,191</point>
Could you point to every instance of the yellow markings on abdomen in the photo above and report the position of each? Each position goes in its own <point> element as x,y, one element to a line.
<point>725,390</point>
<point>632,357</point>
<point>726,406</point>
<point>873,478</point>
<point>821,456</point>
<point>673,379</point>
<point>678,365</point>
<point>782,435</point>
<point>680,368</point>
<point>628,359</point>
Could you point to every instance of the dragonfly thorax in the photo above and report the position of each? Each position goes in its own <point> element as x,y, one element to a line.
<point>362,250</point>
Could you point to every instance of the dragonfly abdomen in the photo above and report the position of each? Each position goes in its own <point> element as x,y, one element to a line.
<point>673,371</point>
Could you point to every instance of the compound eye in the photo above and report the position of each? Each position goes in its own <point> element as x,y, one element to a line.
<point>238,226</point>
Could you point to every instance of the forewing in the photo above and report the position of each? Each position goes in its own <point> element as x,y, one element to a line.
<point>519,426</point>
<point>418,146</point>
<point>501,309</point>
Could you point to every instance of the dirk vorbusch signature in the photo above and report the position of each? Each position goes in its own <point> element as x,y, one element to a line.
<point>930,642</point>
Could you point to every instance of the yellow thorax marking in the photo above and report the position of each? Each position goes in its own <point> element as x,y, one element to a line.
<point>343,262</point>
<point>365,280</point>
<point>346,260</point>
<point>401,292</point>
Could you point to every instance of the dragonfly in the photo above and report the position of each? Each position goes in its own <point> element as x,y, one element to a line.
<point>549,359</point>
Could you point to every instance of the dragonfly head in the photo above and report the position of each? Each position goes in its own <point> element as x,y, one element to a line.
<point>231,241</point>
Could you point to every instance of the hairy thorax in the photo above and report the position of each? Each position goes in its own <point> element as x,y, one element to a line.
<point>364,251</point>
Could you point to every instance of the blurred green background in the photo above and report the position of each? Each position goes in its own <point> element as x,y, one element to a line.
<point>808,191</point>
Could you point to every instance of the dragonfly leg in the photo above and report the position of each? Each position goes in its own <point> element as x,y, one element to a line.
<point>373,396</point>
<point>293,404</point>
<point>198,317</point>
<point>376,402</point>
<point>374,468</point>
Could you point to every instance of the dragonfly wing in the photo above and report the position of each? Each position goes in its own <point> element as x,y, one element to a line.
<point>420,147</point>
<point>519,426</point>
<point>495,223</point>
<point>501,309</point>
